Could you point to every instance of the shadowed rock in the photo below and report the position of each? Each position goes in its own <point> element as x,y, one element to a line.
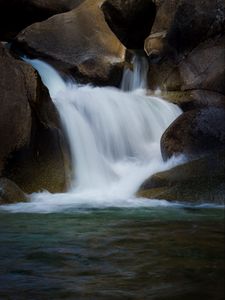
<point>33,152</point>
<point>201,180</point>
<point>10,192</point>
<point>186,46</point>
<point>15,15</point>
<point>130,20</point>
<point>78,43</point>
<point>195,133</point>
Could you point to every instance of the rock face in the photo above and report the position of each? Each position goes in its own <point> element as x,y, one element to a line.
<point>186,46</point>
<point>15,113</point>
<point>130,20</point>
<point>186,51</point>
<point>33,153</point>
<point>15,15</point>
<point>78,43</point>
<point>195,133</point>
<point>201,180</point>
<point>10,192</point>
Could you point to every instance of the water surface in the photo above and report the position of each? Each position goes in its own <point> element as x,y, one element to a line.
<point>113,253</point>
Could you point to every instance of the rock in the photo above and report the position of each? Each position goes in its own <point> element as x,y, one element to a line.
<point>10,192</point>
<point>78,43</point>
<point>201,180</point>
<point>45,165</point>
<point>165,12</point>
<point>193,99</point>
<point>16,15</point>
<point>195,133</point>
<point>182,25</point>
<point>15,112</point>
<point>33,152</point>
<point>203,68</point>
<point>130,20</point>
<point>186,46</point>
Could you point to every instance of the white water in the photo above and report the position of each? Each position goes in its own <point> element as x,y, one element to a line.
<point>114,138</point>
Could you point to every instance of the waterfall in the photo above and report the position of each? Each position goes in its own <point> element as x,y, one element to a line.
<point>135,78</point>
<point>114,136</point>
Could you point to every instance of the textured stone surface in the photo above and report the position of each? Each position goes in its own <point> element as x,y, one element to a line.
<point>78,43</point>
<point>195,133</point>
<point>201,180</point>
<point>33,152</point>
<point>186,46</point>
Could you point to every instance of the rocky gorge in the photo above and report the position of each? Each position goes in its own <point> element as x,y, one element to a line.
<point>92,41</point>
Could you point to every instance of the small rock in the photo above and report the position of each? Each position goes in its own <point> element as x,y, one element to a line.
<point>10,192</point>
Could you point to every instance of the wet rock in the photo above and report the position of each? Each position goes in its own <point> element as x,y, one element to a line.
<point>195,133</point>
<point>16,15</point>
<point>78,43</point>
<point>130,20</point>
<point>10,192</point>
<point>33,152</point>
<point>201,180</point>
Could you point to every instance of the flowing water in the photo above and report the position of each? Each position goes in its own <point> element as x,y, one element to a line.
<point>98,241</point>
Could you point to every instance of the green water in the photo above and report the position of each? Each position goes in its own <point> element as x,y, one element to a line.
<point>142,253</point>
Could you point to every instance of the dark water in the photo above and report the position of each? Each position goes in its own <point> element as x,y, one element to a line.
<point>154,253</point>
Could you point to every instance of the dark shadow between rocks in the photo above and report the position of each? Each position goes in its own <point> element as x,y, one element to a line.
<point>131,21</point>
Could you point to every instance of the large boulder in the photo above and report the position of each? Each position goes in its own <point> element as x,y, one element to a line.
<point>181,25</point>
<point>130,20</point>
<point>15,112</point>
<point>78,43</point>
<point>201,180</point>
<point>186,46</point>
<point>33,153</point>
<point>16,15</point>
<point>195,133</point>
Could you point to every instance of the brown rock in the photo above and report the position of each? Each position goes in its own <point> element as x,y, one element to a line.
<point>203,68</point>
<point>130,20</point>
<point>194,181</point>
<point>78,43</point>
<point>193,99</point>
<point>10,192</point>
<point>195,133</point>
<point>16,15</point>
<point>33,153</point>
<point>186,46</point>
<point>15,112</point>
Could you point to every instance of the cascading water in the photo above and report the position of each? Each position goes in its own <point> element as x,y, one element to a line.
<point>114,138</point>
<point>135,78</point>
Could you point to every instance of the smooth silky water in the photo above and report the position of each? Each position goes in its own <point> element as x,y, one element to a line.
<point>98,241</point>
